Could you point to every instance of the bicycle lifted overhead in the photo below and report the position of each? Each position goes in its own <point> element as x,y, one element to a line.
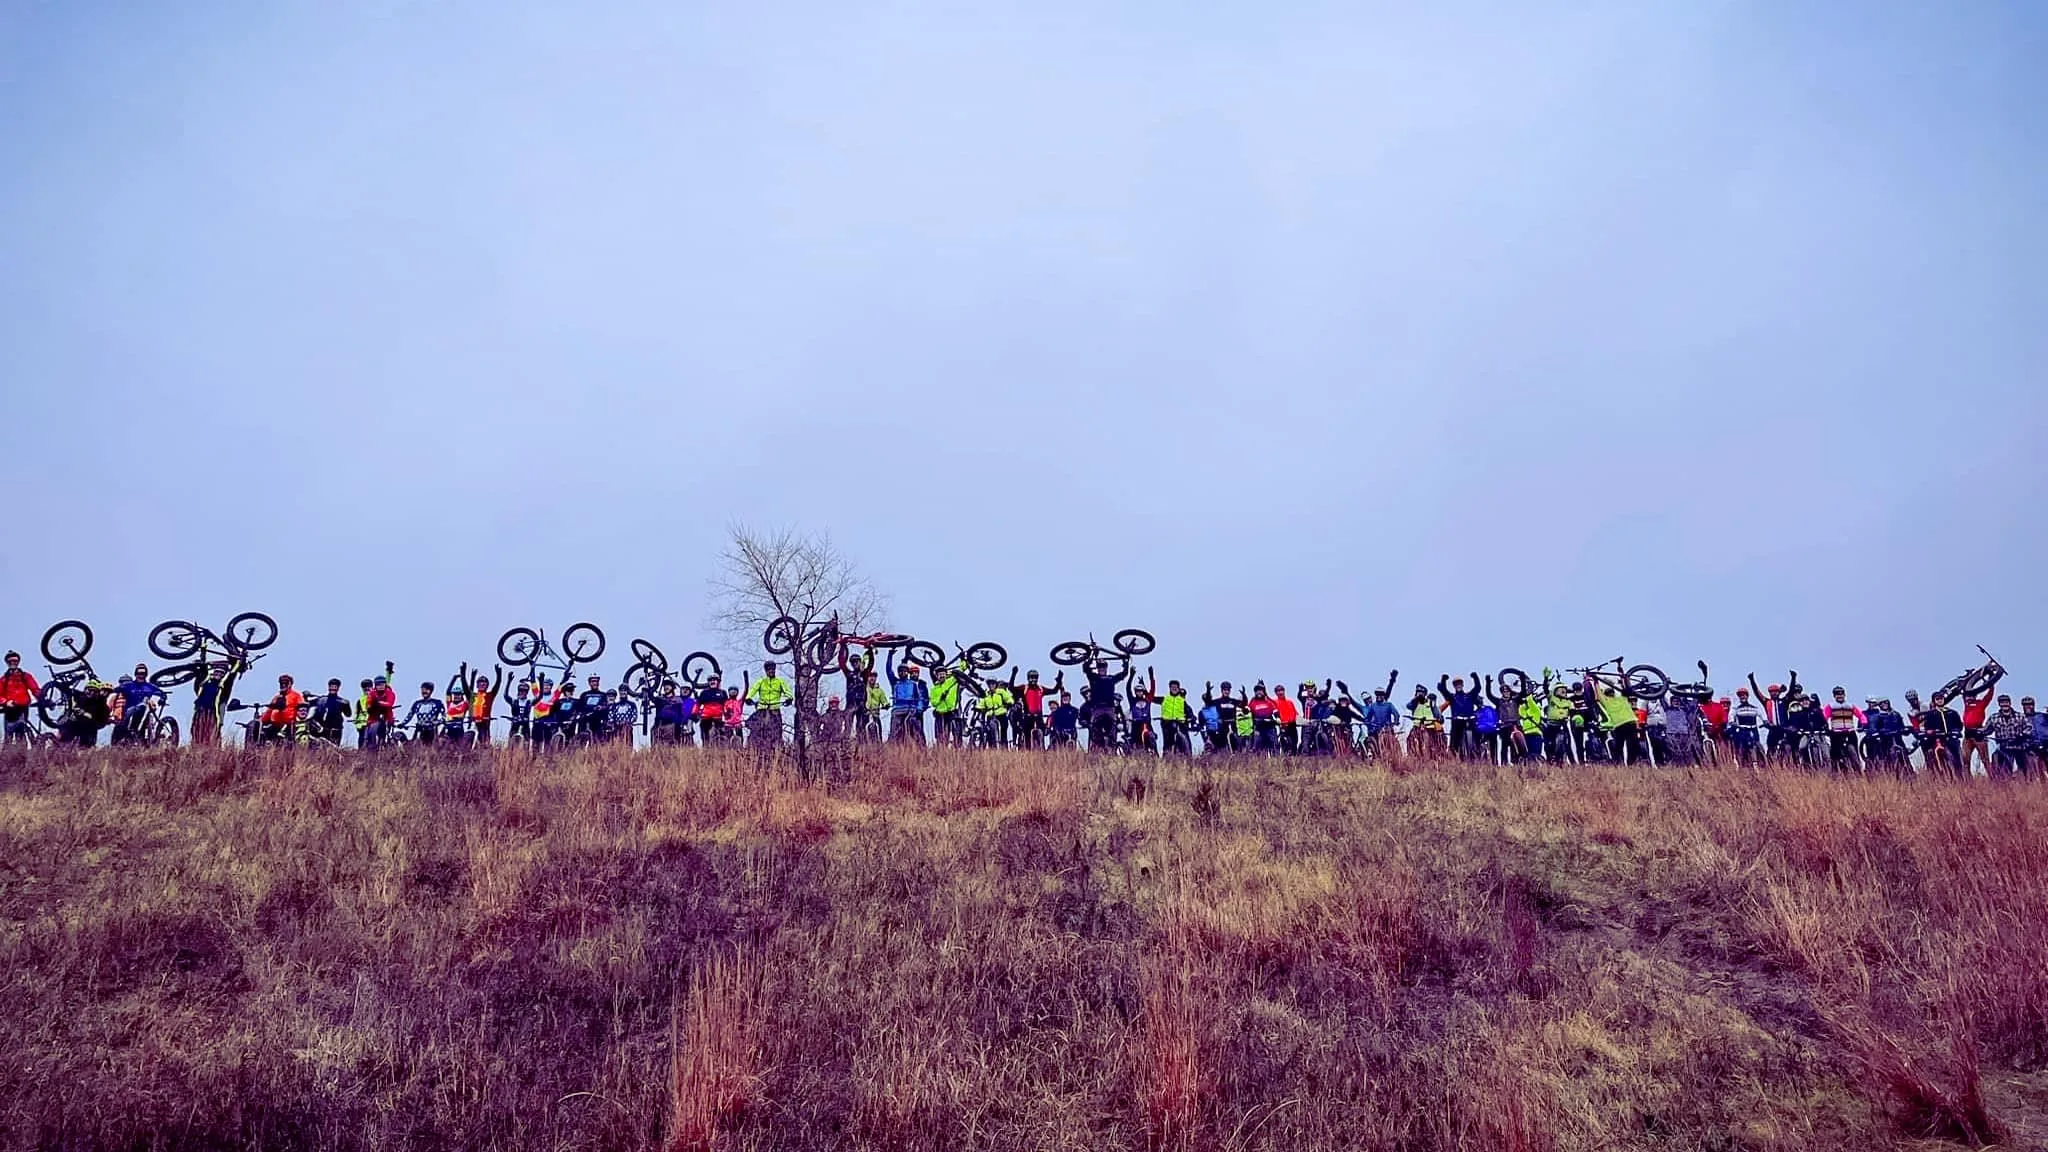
<point>1974,682</point>
<point>528,648</point>
<point>64,646</point>
<point>1124,645</point>
<point>183,639</point>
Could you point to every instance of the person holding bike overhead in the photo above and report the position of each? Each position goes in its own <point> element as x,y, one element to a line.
<point>908,698</point>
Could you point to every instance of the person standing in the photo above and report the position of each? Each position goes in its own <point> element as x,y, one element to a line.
<point>908,699</point>
<point>1976,737</point>
<point>18,692</point>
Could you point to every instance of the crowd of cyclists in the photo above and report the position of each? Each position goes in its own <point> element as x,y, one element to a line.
<point>874,694</point>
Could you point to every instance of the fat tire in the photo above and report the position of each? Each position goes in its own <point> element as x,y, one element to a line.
<point>511,644</point>
<point>1072,652</point>
<point>53,704</point>
<point>1975,681</point>
<point>644,652</point>
<point>251,632</point>
<point>924,652</point>
<point>1134,642</point>
<point>698,668</point>
<point>177,675</point>
<point>1645,682</point>
<point>987,656</point>
<point>583,642</point>
<point>166,734</point>
<point>781,636</point>
<point>176,639</point>
<point>1514,682</point>
<point>642,679</point>
<point>67,654</point>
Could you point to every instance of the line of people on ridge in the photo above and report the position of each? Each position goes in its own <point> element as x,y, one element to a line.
<point>1116,710</point>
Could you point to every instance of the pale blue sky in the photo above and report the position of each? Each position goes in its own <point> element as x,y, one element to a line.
<point>1316,337</point>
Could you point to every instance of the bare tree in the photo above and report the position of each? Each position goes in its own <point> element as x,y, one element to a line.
<point>765,576</point>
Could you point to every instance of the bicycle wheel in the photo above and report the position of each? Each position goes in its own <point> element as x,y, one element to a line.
<point>781,635</point>
<point>1978,680</point>
<point>67,642</point>
<point>1072,652</point>
<point>1134,642</point>
<point>519,647</point>
<point>987,656</point>
<point>53,704</point>
<point>583,642</point>
<point>821,650</point>
<point>177,674</point>
<point>698,669</point>
<point>924,652</point>
<point>642,679</point>
<point>1646,682</point>
<point>252,632</point>
<point>166,733</point>
<point>645,652</point>
<point>176,639</point>
<point>1514,682</point>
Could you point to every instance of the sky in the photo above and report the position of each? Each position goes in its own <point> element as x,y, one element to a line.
<point>1318,338</point>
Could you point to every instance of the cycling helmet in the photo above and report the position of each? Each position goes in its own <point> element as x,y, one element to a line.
<point>1775,690</point>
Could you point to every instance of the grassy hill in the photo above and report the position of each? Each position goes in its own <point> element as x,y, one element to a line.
<point>962,951</point>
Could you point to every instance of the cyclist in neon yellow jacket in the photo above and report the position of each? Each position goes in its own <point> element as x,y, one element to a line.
<point>946,724</point>
<point>994,707</point>
<point>770,691</point>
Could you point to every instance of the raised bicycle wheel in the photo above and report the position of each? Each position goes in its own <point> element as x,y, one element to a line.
<point>1134,642</point>
<point>1513,682</point>
<point>176,639</point>
<point>67,641</point>
<point>54,704</point>
<point>519,647</point>
<point>642,679</point>
<point>1646,682</point>
<point>987,656</point>
<point>698,669</point>
<point>251,632</point>
<point>781,636</point>
<point>644,652</point>
<point>176,675</point>
<point>1978,679</point>
<point>1953,688</point>
<point>924,652</point>
<point>583,642</point>
<point>1072,652</point>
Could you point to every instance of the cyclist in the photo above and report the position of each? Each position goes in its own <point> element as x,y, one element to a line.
<point>1226,716</point>
<point>1845,720</point>
<point>1173,718</point>
<point>2012,731</point>
<point>362,715</point>
<point>483,694</point>
<point>710,712</point>
<point>18,691</point>
<point>1464,710</point>
<point>908,699</point>
<point>2037,733</point>
<point>455,710</point>
<point>620,716</point>
<point>330,714</point>
<point>1885,743</point>
<point>1486,729</point>
<point>1624,733</point>
<point>768,695</point>
<point>522,712</point>
<point>1425,725</point>
<point>136,692</point>
<point>1976,737</point>
<point>1527,737</point>
<point>1141,708</point>
<point>1745,727</point>
<point>1560,722</point>
<point>1941,739</point>
<point>1383,723</point>
<point>945,702</point>
<point>870,720</point>
<point>1033,698</point>
<point>859,671</point>
<point>1212,729</point>
<point>1682,726</point>
<point>1099,697</point>
<point>672,714</point>
<point>92,709</point>
<point>381,705</point>
<point>593,710</point>
<point>426,715</point>
<point>1066,721</point>
<point>1264,712</point>
<point>1715,713</point>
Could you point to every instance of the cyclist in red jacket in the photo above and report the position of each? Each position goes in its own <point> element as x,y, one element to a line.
<point>18,690</point>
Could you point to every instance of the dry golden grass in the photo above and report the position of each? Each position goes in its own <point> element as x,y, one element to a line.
<point>681,950</point>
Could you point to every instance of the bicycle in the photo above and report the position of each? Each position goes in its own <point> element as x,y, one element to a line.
<point>582,643</point>
<point>1637,681</point>
<point>299,733</point>
<point>1977,680</point>
<point>650,670</point>
<point>149,727</point>
<point>1129,643</point>
<point>232,657</point>
<point>183,639</point>
<point>64,646</point>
